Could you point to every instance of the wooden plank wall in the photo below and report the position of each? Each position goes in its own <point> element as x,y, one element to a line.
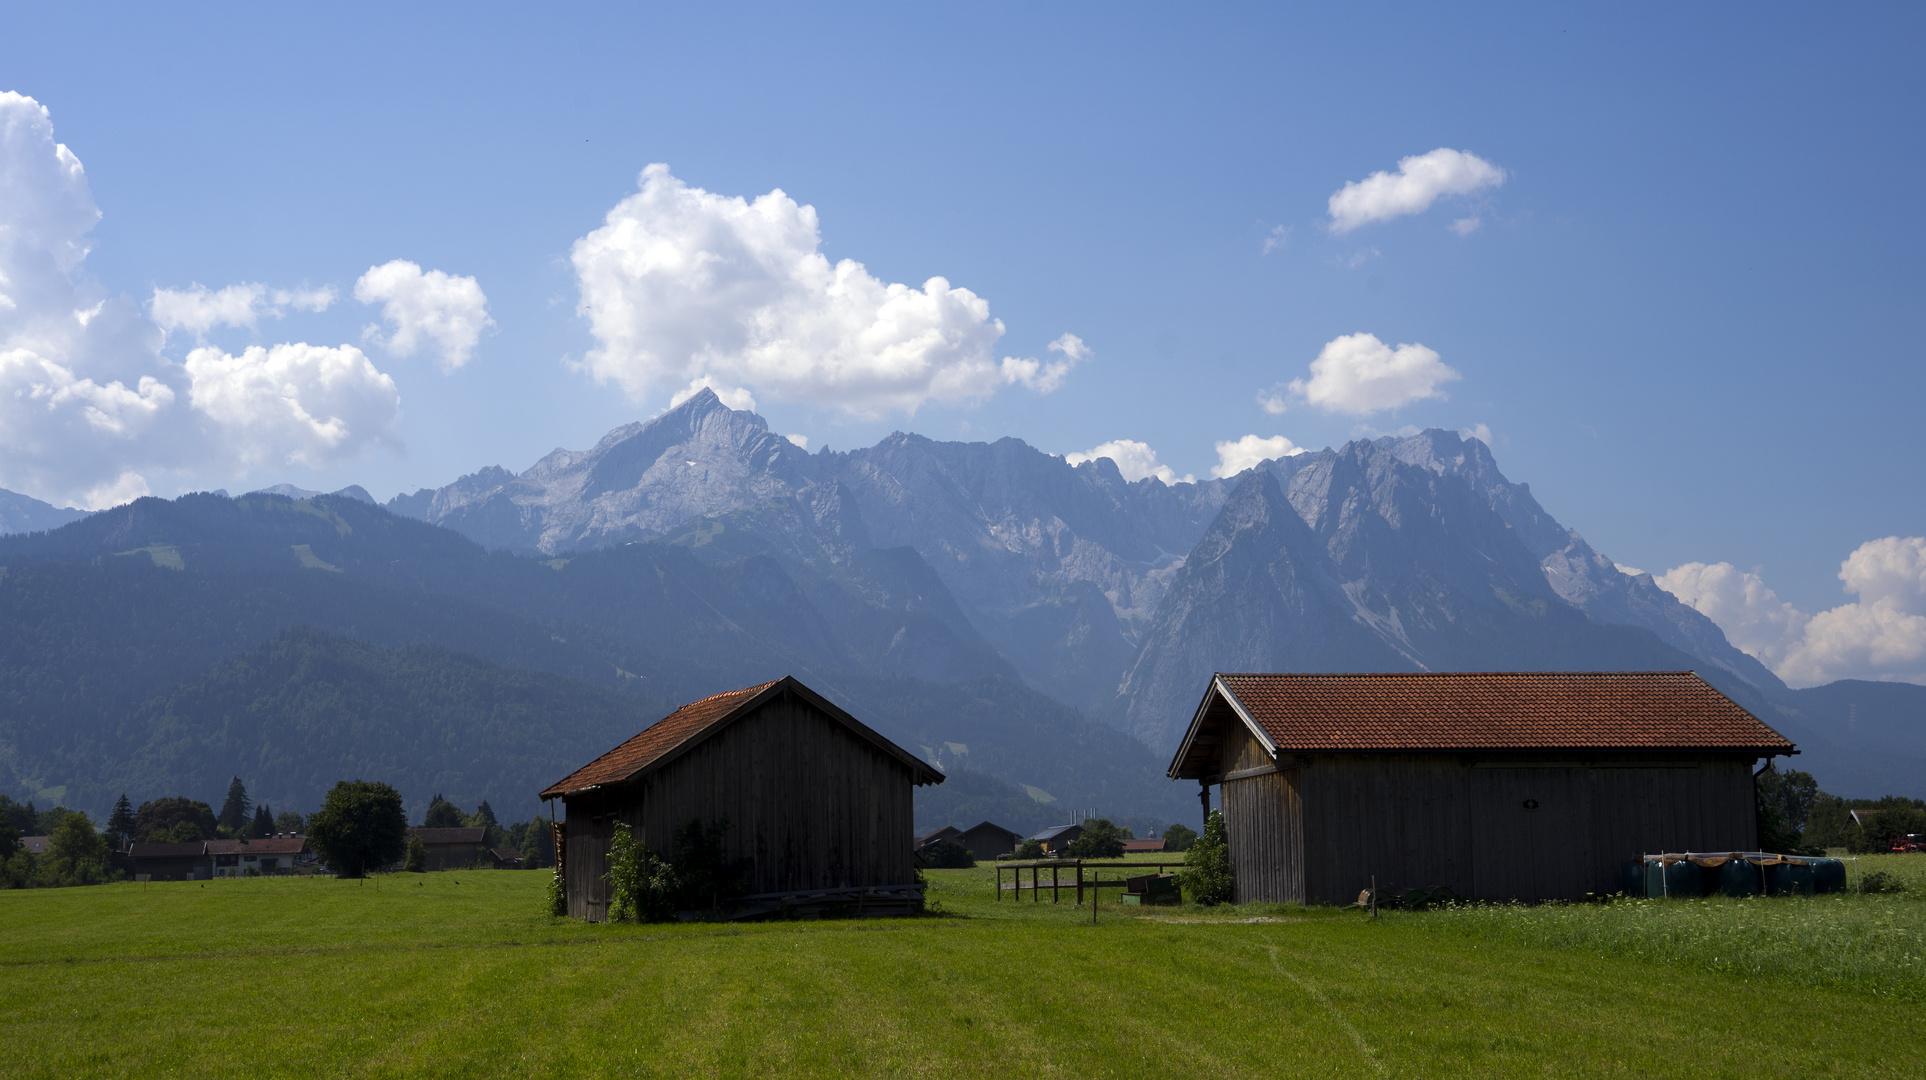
<point>1263,822</point>
<point>810,805</point>
<point>1418,821</point>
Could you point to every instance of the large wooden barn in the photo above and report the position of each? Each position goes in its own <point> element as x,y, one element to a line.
<point>818,804</point>
<point>1525,785</point>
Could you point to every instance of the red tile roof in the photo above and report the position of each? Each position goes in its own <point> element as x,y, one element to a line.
<point>654,741</point>
<point>698,718</point>
<point>1514,710</point>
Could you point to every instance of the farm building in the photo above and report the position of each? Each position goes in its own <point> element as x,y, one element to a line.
<point>1528,786</point>
<point>168,862</point>
<point>1055,839</point>
<point>817,804</point>
<point>986,840</point>
<point>267,855</point>
<point>458,848</point>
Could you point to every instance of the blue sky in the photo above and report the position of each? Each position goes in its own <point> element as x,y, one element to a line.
<point>1688,315</point>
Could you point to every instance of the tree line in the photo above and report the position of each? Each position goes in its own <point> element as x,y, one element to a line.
<point>360,827</point>
<point>1796,818</point>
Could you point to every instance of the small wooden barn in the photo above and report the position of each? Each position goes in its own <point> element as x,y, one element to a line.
<point>1511,785</point>
<point>986,840</point>
<point>818,804</point>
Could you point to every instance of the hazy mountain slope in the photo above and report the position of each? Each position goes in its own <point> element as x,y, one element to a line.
<point>23,513</point>
<point>306,709</point>
<point>101,616</point>
<point>1861,739</point>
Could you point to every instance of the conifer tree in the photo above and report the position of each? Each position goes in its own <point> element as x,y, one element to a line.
<point>263,823</point>
<point>234,811</point>
<point>443,814</point>
<point>120,825</point>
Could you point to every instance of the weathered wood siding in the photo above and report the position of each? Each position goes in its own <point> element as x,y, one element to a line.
<point>810,805</point>
<point>1522,827</point>
<point>1263,823</point>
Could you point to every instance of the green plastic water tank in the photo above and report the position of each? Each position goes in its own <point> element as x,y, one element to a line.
<point>1828,875</point>
<point>1631,877</point>
<point>1739,878</point>
<point>1786,879</point>
<point>1680,880</point>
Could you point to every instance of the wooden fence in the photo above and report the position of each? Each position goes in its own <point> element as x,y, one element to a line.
<point>1058,884</point>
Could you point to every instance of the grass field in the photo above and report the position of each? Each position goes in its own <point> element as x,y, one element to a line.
<point>455,974</point>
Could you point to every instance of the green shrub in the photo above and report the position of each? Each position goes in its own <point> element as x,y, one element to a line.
<point>555,898</point>
<point>1031,849</point>
<point>417,860</point>
<point>1206,875</point>
<point>642,886</point>
<point>1179,838</point>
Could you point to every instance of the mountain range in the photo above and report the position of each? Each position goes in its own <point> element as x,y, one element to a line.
<point>1037,629</point>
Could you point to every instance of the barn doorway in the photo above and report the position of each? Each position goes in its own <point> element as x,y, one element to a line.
<point>1531,833</point>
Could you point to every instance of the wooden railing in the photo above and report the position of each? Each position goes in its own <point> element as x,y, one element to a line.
<point>1057,884</point>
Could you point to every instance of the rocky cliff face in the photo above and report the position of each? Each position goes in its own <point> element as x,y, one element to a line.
<point>1114,596</point>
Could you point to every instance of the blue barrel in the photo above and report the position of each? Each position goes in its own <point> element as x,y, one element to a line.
<point>1786,879</point>
<point>1631,877</point>
<point>1680,880</point>
<point>1739,878</point>
<point>1828,875</point>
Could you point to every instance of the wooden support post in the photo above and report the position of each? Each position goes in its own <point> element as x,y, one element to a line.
<point>1035,876</point>
<point>1079,882</point>
<point>1056,894</point>
<point>1203,796</point>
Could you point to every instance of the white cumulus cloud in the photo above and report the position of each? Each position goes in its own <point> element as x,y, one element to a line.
<point>198,309</point>
<point>425,309</point>
<point>1135,460</point>
<point>733,396</point>
<point>1046,376</point>
<point>1420,181</point>
<point>1234,457</point>
<point>294,404</point>
<point>680,283</point>
<point>1882,635</point>
<point>1359,375</point>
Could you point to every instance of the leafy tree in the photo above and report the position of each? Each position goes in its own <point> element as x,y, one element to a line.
<point>287,821</point>
<point>1030,849</point>
<point>120,826</point>
<point>234,811</point>
<point>484,818</point>
<point>947,854</point>
<point>262,823</point>
<point>76,854</point>
<point>9,840</point>
<point>443,814</point>
<point>162,815</point>
<point>1791,794</point>
<point>1179,838</point>
<point>22,818</point>
<point>1206,875</point>
<point>535,841</point>
<point>417,860</point>
<point>359,828</point>
<point>1881,829</point>
<point>1100,839</point>
<point>183,832</point>
<point>51,820</point>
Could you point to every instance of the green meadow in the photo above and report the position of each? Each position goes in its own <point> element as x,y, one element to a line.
<point>457,974</point>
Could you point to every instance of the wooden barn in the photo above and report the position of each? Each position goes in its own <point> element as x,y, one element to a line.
<point>818,805</point>
<point>1515,785</point>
